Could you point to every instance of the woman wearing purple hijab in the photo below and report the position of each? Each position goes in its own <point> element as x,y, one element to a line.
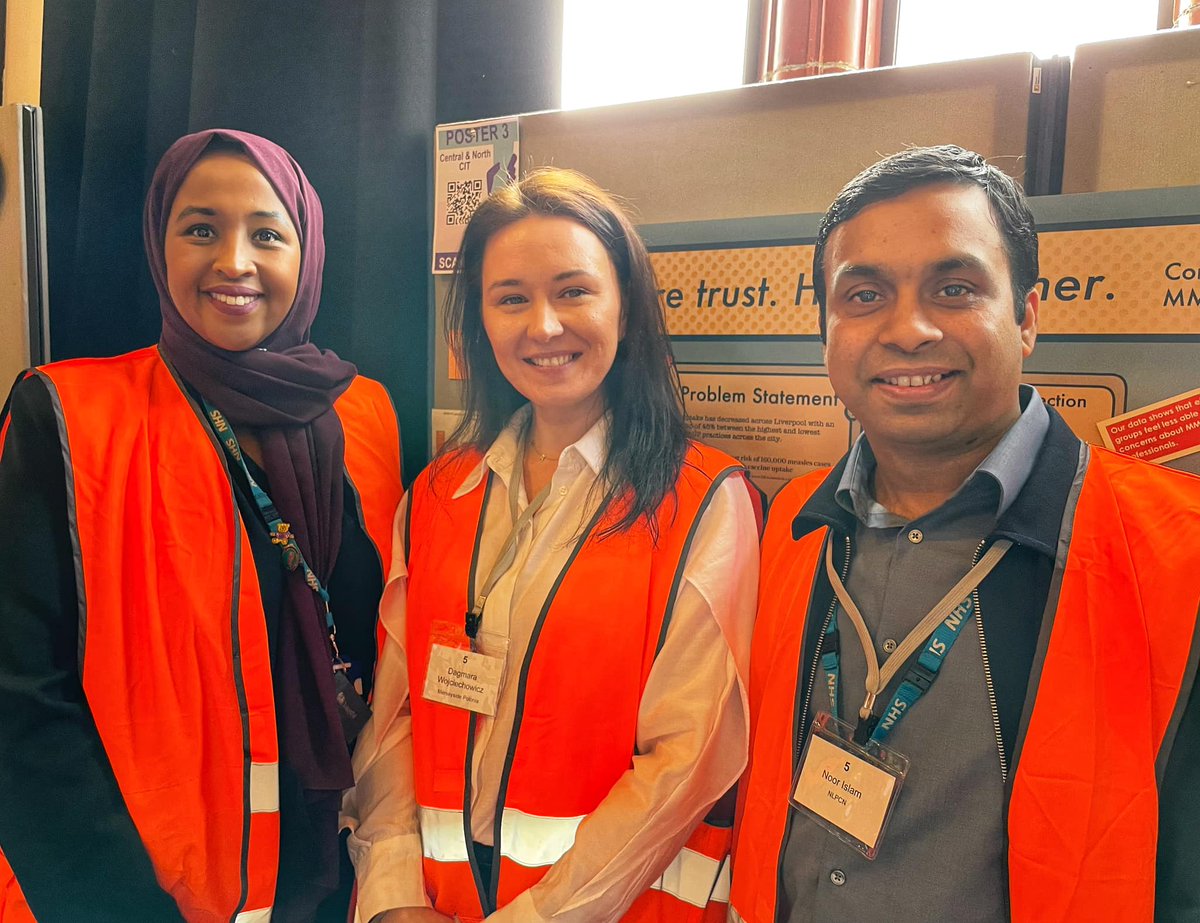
<point>191,567</point>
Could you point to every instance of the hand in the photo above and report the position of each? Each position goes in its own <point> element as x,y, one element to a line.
<point>412,915</point>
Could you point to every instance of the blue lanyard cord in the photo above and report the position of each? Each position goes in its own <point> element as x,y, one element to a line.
<point>917,679</point>
<point>831,663</point>
<point>920,675</point>
<point>941,627</point>
<point>281,532</point>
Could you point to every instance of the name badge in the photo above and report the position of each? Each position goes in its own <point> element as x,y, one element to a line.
<point>848,789</point>
<point>461,677</point>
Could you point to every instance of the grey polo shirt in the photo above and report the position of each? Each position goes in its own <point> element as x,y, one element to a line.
<point>943,855</point>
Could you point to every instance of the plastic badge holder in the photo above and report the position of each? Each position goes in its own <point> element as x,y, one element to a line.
<point>460,677</point>
<point>849,789</point>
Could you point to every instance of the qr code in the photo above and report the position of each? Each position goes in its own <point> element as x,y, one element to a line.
<point>462,200</point>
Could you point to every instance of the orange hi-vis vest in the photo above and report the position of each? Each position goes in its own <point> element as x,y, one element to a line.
<point>1083,813</point>
<point>580,685</point>
<point>174,653</point>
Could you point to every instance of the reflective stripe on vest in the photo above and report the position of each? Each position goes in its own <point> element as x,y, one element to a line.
<point>533,841</point>
<point>196,754</point>
<point>1083,814</point>
<point>551,764</point>
<point>527,839</point>
<point>695,878</point>
<point>264,788</point>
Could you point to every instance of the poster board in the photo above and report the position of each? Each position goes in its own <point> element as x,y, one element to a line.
<point>778,149</point>
<point>1135,105</point>
<point>1119,324</point>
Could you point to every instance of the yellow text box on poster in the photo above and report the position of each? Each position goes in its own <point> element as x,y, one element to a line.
<point>779,421</point>
<point>1082,399</point>
<point>785,421</point>
<point>1120,280</point>
<point>737,291</point>
<point>1096,281</point>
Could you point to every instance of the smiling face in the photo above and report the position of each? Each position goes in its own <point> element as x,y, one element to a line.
<point>232,253</point>
<point>552,313</point>
<point>923,346</point>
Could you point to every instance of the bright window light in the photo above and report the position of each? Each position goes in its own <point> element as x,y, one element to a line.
<point>617,51</point>
<point>940,30</point>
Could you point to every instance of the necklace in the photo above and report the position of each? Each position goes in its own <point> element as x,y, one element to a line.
<point>528,436</point>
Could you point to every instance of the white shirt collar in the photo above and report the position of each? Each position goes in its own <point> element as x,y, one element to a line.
<point>591,449</point>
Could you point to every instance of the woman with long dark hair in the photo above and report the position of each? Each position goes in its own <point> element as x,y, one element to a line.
<point>191,559</point>
<point>561,695</point>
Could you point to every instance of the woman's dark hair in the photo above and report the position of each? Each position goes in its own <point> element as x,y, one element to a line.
<point>893,176</point>
<point>647,438</point>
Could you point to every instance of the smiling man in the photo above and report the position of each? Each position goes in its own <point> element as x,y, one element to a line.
<point>976,647</point>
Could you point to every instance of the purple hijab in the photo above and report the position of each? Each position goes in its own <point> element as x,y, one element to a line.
<point>284,389</point>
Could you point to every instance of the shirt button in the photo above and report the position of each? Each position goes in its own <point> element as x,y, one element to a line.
<point>838,877</point>
<point>562,491</point>
<point>915,536</point>
<point>889,645</point>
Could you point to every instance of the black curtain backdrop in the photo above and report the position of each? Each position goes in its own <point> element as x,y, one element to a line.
<point>499,57</point>
<point>353,88</point>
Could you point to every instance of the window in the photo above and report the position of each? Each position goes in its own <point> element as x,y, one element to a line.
<point>940,30</point>
<point>617,51</point>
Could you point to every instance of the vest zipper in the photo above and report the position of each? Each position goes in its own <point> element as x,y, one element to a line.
<point>987,667</point>
<point>235,651</point>
<point>492,894</point>
<point>812,674</point>
<point>811,681</point>
<point>481,887</point>
<point>987,674</point>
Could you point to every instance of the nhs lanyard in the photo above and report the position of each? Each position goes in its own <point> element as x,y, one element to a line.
<point>940,628</point>
<point>281,532</point>
<point>508,551</point>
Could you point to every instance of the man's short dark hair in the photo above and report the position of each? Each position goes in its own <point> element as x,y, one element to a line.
<point>926,166</point>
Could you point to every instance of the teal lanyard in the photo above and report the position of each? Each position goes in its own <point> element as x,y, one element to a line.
<point>917,680</point>
<point>281,532</point>
<point>942,626</point>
